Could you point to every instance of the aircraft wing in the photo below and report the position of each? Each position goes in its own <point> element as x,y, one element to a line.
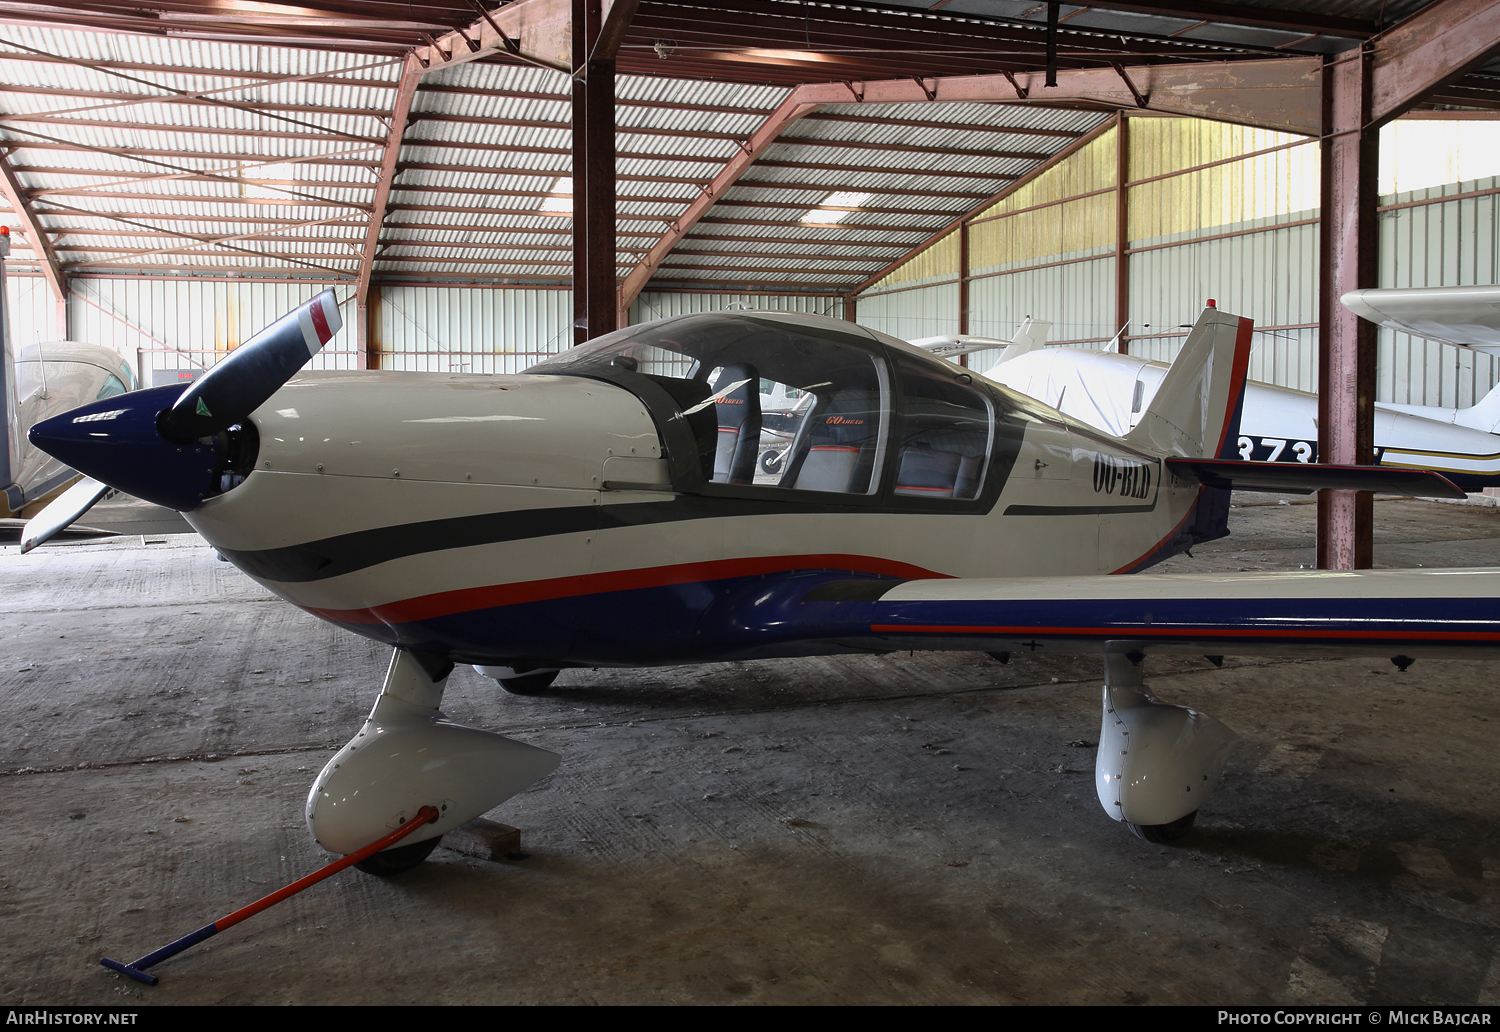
<point>1318,612</point>
<point>1305,478</point>
<point>1468,316</point>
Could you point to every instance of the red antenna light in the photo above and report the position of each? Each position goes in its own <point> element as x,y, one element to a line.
<point>1212,303</point>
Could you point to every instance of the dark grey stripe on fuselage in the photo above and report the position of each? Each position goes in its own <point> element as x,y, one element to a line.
<point>1075,510</point>
<point>348,553</point>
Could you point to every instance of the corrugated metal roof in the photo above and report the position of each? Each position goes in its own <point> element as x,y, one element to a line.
<point>285,142</point>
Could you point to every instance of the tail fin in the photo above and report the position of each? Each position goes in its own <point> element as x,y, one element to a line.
<point>1196,411</point>
<point>1030,337</point>
<point>1483,414</point>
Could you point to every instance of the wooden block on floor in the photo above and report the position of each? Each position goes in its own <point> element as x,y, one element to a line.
<point>487,840</point>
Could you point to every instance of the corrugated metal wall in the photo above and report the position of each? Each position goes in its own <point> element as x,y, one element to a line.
<point>1240,228</point>
<point>190,324</point>
<point>470,330</point>
<point>926,311</point>
<point>33,313</point>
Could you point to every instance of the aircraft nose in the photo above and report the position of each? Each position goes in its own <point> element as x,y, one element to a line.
<point>116,441</point>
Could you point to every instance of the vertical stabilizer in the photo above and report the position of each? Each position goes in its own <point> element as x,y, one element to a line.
<point>1196,411</point>
<point>1030,337</point>
<point>1484,415</point>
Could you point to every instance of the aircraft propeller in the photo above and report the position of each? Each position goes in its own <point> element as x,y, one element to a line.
<point>172,446</point>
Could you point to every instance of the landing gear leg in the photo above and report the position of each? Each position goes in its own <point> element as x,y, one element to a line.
<point>408,755</point>
<point>1157,763</point>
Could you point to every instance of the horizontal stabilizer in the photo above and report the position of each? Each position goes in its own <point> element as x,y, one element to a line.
<point>1305,478</point>
<point>957,344</point>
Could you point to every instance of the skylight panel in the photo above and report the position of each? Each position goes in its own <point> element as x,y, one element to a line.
<point>824,214</point>
<point>560,199</point>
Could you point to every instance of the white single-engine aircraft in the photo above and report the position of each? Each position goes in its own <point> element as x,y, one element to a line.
<point>601,509</point>
<point>1111,392</point>
<point>44,380</point>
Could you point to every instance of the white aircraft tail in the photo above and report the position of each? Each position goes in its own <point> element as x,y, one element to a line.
<point>1196,411</point>
<point>1482,415</point>
<point>1032,336</point>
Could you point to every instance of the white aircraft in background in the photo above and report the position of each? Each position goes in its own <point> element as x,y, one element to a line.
<point>38,382</point>
<point>44,380</point>
<point>593,511</point>
<point>1110,391</point>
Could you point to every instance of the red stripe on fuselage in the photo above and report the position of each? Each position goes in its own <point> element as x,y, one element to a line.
<point>464,600</point>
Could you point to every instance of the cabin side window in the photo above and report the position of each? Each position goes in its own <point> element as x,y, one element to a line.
<point>946,437</point>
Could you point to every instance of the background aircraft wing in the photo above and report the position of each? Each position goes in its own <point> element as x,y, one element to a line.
<point>1317,612</point>
<point>1468,316</point>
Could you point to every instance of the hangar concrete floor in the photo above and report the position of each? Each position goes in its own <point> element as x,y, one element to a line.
<point>908,829</point>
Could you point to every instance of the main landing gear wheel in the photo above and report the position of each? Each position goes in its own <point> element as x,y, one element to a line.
<point>528,684</point>
<point>398,860</point>
<point>1161,834</point>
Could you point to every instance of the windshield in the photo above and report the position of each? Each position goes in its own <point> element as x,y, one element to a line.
<point>772,401</point>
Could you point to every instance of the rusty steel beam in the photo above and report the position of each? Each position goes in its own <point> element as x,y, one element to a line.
<point>539,32</point>
<point>1346,343</point>
<point>411,75</point>
<point>1277,93</point>
<point>791,109</point>
<point>41,244</point>
<point>1429,50</point>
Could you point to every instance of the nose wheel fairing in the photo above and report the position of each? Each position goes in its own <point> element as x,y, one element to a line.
<point>408,755</point>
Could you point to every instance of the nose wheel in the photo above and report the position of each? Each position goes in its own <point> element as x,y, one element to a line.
<point>528,684</point>
<point>399,860</point>
<point>1161,834</point>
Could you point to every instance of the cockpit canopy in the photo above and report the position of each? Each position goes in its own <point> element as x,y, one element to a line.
<point>771,400</point>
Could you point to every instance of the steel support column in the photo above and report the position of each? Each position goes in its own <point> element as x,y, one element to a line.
<point>1346,343</point>
<point>1122,228</point>
<point>963,278</point>
<point>595,292</point>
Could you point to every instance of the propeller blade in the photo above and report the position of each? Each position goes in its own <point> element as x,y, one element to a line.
<point>176,447</point>
<point>61,512</point>
<point>254,371</point>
